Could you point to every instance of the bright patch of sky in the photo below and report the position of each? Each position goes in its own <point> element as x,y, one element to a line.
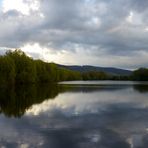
<point>20,5</point>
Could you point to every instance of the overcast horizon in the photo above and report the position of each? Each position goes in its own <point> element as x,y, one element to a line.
<point>106,33</point>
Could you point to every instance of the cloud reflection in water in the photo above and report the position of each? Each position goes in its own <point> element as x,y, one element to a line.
<point>108,117</point>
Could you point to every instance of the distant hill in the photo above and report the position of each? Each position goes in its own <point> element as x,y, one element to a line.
<point>86,68</point>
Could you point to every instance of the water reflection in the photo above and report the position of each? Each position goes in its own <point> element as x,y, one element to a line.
<point>14,101</point>
<point>75,116</point>
<point>141,88</point>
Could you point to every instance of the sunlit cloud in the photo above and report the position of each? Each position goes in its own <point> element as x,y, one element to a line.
<point>21,6</point>
<point>130,17</point>
<point>38,52</point>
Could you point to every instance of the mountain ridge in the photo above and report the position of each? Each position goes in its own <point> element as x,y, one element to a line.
<point>87,68</point>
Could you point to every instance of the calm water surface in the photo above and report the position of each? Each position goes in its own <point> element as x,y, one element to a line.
<point>96,114</point>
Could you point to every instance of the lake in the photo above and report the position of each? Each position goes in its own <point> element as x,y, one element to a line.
<point>90,114</point>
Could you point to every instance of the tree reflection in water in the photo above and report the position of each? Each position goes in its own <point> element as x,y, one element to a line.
<point>15,101</point>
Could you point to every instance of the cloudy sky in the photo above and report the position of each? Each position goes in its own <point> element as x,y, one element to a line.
<point>97,32</point>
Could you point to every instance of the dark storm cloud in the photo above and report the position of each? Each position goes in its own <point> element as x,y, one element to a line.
<point>117,26</point>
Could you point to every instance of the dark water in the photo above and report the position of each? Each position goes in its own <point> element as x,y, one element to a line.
<point>94,114</point>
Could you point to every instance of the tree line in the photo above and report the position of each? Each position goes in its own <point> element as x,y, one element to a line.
<point>17,68</point>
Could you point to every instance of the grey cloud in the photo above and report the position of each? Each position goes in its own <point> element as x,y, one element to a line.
<point>63,24</point>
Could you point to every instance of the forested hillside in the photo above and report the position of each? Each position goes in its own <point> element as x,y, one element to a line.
<point>108,70</point>
<point>17,68</point>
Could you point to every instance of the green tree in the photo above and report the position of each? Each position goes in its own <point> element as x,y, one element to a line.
<point>24,66</point>
<point>7,70</point>
<point>140,74</point>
